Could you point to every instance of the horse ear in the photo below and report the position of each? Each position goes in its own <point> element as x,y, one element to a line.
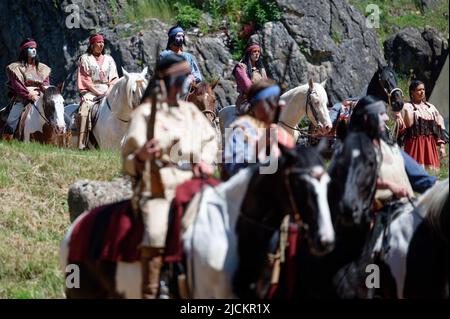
<point>60,87</point>
<point>323,83</point>
<point>311,84</point>
<point>125,73</point>
<point>144,72</point>
<point>194,85</point>
<point>214,83</point>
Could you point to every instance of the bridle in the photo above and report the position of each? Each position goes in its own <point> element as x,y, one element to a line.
<point>294,212</point>
<point>309,106</point>
<point>391,92</point>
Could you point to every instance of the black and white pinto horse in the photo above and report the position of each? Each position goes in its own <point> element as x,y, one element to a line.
<point>228,241</point>
<point>113,115</point>
<point>353,170</point>
<point>45,120</point>
<point>212,244</point>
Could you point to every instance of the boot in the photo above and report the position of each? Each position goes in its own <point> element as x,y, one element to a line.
<point>82,131</point>
<point>152,261</point>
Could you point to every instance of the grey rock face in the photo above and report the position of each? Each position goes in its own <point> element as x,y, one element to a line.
<point>330,41</point>
<point>422,50</point>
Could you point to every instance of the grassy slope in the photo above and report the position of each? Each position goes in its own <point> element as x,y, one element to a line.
<point>34,181</point>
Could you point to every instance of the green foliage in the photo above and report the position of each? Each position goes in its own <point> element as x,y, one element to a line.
<point>139,10</point>
<point>261,11</point>
<point>400,14</point>
<point>187,16</point>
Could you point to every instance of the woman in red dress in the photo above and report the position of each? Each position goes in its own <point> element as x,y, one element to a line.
<point>422,127</point>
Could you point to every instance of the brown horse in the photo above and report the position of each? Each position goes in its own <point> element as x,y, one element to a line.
<point>203,96</point>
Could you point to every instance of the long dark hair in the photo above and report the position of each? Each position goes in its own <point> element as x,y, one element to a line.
<point>23,56</point>
<point>247,61</point>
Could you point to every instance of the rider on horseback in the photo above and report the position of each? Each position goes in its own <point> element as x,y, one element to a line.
<point>97,73</point>
<point>177,39</point>
<point>244,136</point>
<point>161,152</point>
<point>247,72</point>
<point>26,81</point>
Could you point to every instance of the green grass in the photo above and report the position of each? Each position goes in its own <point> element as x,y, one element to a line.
<point>405,13</point>
<point>136,11</point>
<point>34,182</point>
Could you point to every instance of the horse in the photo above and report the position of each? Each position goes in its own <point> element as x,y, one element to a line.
<point>416,248</point>
<point>223,258</point>
<point>203,96</point>
<point>44,122</point>
<point>310,99</point>
<point>353,171</point>
<point>110,123</point>
<point>383,85</point>
<point>304,172</point>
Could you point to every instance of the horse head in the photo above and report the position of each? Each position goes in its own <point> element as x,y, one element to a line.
<point>135,84</point>
<point>317,106</point>
<point>298,186</point>
<point>53,109</point>
<point>384,85</point>
<point>203,96</point>
<point>353,171</point>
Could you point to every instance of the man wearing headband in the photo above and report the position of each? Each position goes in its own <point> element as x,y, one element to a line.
<point>244,134</point>
<point>183,146</point>
<point>97,73</point>
<point>175,44</point>
<point>248,71</point>
<point>26,79</point>
<point>369,116</point>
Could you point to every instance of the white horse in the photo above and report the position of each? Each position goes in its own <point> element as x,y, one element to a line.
<point>210,239</point>
<point>46,117</point>
<point>417,247</point>
<point>115,109</point>
<point>310,99</point>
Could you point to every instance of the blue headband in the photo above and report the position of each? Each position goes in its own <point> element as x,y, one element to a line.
<point>175,31</point>
<point>273,90</point>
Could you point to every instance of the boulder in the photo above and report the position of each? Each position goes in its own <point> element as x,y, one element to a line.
<point>86,194</point>
<point>420,50</point>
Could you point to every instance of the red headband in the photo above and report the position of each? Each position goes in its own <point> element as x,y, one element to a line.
<point>29,44</point>
<point>96,38</point>
<point>252,47</point>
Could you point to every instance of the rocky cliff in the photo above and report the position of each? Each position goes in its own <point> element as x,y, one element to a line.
<point>329,40</point>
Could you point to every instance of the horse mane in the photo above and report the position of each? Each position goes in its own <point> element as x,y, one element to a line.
<point>433,205</point>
